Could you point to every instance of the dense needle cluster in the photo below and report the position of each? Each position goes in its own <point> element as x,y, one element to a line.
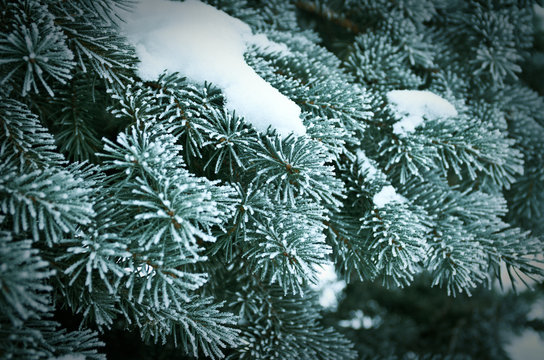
<point>150,205</point>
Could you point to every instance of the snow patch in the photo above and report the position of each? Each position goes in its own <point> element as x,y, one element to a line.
<point>358,320</point>
<point>387,195</point>
<point>206,44</point>
<point>415,105</point>
<point>329,286</point>
<point>365,163</point>
<point>262,42</point>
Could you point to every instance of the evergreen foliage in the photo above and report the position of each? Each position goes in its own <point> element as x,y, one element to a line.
<point>148,209</point>
<point>433,325</point>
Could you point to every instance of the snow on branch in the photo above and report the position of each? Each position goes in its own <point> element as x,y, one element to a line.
<point>365,163</point>
<point>206,44</point>
<point>414,105</point>
<point>386,195</point>
<point>329,286</point>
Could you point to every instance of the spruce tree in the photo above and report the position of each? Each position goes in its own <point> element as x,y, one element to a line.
<point>398,140</point>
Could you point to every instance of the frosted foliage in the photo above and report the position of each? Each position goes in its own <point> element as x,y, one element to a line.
<point>365,163</point>
<point>387,195</point>
<point>206,44</point>
<point>414,105</point>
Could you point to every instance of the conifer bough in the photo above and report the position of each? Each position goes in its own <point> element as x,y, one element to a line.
<point>182,171</point>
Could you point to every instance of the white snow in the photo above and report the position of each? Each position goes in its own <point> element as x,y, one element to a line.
<point>528,345</point>
<point>358,320</point>
<point>206,44</point>
<point>386,195</point>
<point>261,41</point>
<point>329,286</point>
<point>365,163</point>
<point>415,105</point>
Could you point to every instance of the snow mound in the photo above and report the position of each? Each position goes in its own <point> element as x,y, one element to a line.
<point>386,195</point>
<point>414,105</point>
<point>206,44</point>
